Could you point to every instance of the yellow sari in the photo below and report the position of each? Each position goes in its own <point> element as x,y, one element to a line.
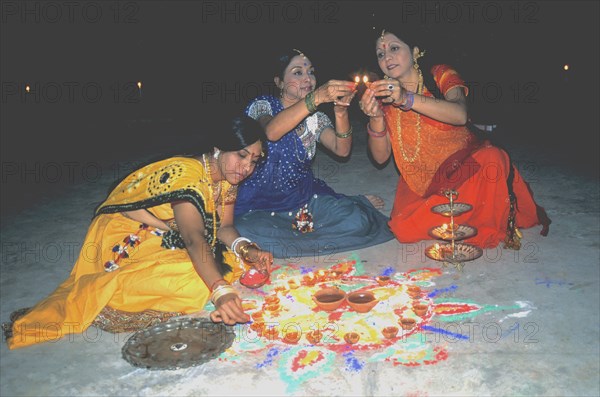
<point>127,267</point>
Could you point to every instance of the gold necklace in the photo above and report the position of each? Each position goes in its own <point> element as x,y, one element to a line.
<point>212,196</point>
<point>399,129</point>
<point>400,142</point>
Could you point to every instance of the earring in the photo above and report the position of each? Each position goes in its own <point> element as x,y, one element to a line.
<point>416,57</point>
<point>416,66</point>
<point>216,154</point>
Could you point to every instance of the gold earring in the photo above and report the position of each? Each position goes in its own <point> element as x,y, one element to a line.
<point>416,66</point>
<point>416,57</point>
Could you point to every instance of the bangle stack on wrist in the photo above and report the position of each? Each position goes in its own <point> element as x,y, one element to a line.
<point>220,291</point>
<point>375,134</point>
<point>408,102</point>
<point>344,135</point>
<point>309,101</point>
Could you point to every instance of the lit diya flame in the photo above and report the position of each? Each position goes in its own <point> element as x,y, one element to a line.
<point>139,84</point>
<point>27,88</point>
<point>357,79</point>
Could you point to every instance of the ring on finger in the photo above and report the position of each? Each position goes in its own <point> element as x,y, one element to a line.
<point>390,87</point>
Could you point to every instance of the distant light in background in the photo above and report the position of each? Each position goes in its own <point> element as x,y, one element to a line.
<point>27,88</point>
<point>566,67</point>
<point>139,84</point>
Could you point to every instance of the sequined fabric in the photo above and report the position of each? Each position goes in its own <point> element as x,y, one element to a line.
<point>284,181</point>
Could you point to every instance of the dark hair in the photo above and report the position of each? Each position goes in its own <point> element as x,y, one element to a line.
<point>237,133</point>
<point>226,132</point>
<point>425,63</point>
<point>282,60</point>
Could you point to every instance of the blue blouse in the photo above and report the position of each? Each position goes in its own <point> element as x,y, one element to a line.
<point>284,181</point>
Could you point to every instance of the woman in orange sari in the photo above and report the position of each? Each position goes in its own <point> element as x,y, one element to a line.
<point>434,152</point>
<point>157,247</point>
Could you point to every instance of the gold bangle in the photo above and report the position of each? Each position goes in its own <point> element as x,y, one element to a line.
<point>345,134</point>
<point>244,250</point>
<point>172,225</point>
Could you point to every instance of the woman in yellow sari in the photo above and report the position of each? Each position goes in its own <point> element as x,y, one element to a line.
<point>156,247</point>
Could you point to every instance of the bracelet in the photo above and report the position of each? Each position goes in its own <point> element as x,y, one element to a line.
<point>344,135</point>
<point>212,287</point>
<point>376,134</point>
<point>245,248</point>
<point>309,101</point>
<point>408,103</point>
<point>221,291</point>
<point>236,242</point>
<point>172,225</point>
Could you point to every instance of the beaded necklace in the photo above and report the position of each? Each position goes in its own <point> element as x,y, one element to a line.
<point>399,130</point>
<point>212,196</point>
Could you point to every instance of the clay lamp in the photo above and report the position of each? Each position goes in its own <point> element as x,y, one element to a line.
<point>271,333</point>
<point>420,309</point>
<point>293,284</point>
<point>390,332</point>
<point>314,337</point>
<point>329,299</point>
<point>382,280</point>
<point>291,337</point>
<point>361,302</point>
<point>351,337</point>
<point>413,291</point>
<point>407,323</point>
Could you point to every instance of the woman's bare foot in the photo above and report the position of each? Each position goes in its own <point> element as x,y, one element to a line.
<point>377,201</point>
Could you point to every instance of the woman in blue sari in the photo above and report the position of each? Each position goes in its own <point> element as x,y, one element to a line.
<point>282,206</point>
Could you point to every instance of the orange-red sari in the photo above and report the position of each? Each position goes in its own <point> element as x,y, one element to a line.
<point>433,156</point>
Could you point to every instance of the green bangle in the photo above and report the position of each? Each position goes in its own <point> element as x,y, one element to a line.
<point>344,135</point>
<point>309,101</point>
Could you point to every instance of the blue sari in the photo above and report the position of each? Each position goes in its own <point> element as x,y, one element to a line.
<point>269,200</point>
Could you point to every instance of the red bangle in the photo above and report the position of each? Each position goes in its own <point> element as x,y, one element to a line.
<point>376,134</point>
<point>212,287</point>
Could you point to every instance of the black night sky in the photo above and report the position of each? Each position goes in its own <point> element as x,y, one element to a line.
<point>83,59</point>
